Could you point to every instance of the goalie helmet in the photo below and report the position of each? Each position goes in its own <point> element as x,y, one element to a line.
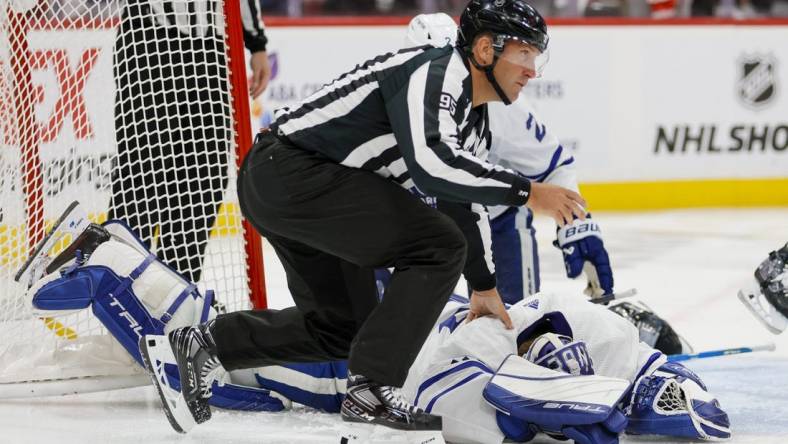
<point>562,353</point>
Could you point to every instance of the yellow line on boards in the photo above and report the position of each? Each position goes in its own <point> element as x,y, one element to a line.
<point>686,194</point>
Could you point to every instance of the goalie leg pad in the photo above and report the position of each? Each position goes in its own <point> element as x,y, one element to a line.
<point>605,433</point>
<point>515,429</point>
<point>239,397</point>
<point>320,385</point>
<point>666,406</point>
<point>134,294</point>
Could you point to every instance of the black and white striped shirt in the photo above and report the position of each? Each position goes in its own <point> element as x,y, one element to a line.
<point>200,18</point>
<point>407,116</point>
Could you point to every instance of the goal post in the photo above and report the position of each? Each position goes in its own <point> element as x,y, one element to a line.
<point>139,109</point>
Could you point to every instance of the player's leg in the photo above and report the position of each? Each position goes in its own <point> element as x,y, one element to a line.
<point>332,299</point>
<point>515,253</point>
<point>369,221</point>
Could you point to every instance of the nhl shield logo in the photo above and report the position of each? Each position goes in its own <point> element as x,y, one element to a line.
<point>757,84</point>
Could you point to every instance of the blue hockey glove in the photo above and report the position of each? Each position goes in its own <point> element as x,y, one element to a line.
<point>583,250</point>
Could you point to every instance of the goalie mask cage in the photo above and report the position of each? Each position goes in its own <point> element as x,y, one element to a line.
<point>139,110</point>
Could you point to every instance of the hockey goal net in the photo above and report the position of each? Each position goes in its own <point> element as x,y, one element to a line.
<point>139,110</point>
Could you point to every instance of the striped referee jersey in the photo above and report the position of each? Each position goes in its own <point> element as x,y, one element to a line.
<point>408,117</point>
<point>200,18</point>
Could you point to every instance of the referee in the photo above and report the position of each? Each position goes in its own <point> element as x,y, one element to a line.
<point>173,122</point>
<point>328,187</point>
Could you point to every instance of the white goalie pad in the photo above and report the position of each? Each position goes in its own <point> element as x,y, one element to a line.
<point>759,306</point>
<point>157,287</point>
<point>552,399</point>
<point>129,290</point>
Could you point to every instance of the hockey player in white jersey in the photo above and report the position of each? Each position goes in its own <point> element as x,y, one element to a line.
<point>767,296</point>
<point>455,375</point>
<point>522,142</point>
<point>460,361</point>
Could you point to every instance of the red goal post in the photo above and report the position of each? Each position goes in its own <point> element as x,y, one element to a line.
<point>134,121</point>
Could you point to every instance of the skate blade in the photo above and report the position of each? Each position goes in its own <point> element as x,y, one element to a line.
<point>361,433</point>
<point>72,221</point>
<point>773,320</point>
<point>156,351</point>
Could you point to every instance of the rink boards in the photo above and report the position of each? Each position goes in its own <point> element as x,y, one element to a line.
<point>661,116</point>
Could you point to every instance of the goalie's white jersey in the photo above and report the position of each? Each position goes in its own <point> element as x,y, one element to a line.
<point>458,358</point>
<point>523,143</point>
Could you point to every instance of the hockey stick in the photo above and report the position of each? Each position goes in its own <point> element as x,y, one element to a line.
<point>615,296</point>
<point>722,352</point>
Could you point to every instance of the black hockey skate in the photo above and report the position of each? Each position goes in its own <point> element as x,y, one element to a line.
<point>767,295</point>
<point>372,403</point>
<point>193,350</point>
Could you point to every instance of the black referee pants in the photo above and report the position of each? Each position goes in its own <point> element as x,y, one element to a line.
<point>331,226</point>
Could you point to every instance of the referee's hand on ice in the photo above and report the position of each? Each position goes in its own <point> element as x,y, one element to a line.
<point>488,303</point>
<point>561,204</point>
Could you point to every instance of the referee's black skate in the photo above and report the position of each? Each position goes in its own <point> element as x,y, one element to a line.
<point>369,402</point>
<point>194,352</point>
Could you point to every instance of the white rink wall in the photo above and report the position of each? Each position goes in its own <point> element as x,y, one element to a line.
<point>636,104</point>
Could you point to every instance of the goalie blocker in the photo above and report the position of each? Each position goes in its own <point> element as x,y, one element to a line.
<point>133,294</point>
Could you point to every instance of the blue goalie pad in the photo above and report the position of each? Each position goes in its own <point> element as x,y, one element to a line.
<point>129,316</point>
<point>311,384</point>
<point>64,294</point>
<point>553,401</point>
<point>234,396</point>
<point>514,429</point>
<point>110,298</point>
<point>239,397</point>
<point>605,433</point>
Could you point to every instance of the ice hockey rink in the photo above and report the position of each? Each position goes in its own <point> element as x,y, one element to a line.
<point>686,264</point>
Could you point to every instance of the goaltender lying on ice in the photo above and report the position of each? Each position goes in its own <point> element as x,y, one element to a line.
<point>569,368</point>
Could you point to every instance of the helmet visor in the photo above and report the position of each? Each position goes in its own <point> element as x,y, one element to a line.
<point>526,56</point>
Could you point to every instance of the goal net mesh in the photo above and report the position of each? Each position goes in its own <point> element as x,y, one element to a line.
<point>127,107</point>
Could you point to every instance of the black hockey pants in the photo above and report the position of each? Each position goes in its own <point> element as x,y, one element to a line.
<point>331,226</point>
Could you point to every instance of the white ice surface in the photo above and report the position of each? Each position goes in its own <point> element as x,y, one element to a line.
<point>687,265</point>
